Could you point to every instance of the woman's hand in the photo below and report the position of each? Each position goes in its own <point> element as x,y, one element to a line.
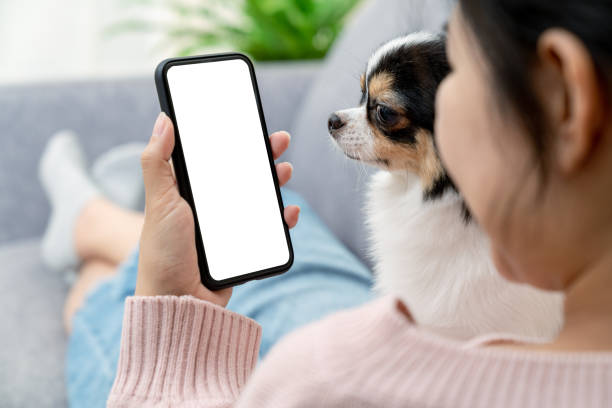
<point>168,262</point>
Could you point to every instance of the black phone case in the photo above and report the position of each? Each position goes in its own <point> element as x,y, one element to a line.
<point>182,177</point>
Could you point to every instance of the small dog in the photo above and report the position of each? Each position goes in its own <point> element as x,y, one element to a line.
<point>427,248</point>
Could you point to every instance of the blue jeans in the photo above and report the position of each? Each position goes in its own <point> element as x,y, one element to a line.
<point>325,277</point>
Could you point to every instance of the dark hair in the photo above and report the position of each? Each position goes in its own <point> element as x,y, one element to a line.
<point>507,32</point>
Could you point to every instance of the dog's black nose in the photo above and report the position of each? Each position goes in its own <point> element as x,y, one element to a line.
<point>334,122</point>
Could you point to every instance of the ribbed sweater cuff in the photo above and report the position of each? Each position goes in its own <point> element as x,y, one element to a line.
<point>182,349</point>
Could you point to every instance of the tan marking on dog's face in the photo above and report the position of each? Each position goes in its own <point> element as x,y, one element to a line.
<point>381,92</point>
<point>420,158</point>
<point>380,85</point>
<point>362,82</point>
<point>431,166</point>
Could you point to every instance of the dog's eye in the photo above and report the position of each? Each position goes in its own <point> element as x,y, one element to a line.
<point>386,115</point>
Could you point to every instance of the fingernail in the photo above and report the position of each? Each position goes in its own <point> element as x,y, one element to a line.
<point>160,125</point>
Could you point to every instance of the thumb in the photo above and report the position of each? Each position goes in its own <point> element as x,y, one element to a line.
<point>156,169</point>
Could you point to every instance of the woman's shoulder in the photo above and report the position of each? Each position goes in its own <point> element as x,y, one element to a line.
<point>329,341</point>
<point>382,322</point>
<point>305,363</point>
<point>376,355</point>
<point>359,327</point>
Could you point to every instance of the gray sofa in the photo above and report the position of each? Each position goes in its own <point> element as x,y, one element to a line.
<point>296,96</point>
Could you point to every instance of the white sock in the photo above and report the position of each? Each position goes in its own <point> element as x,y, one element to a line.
<point>118,174</point>
<point>63,174</point>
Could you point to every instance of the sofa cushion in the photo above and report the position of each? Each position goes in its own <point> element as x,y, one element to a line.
<point>332,183</point>
<point>32,343</point>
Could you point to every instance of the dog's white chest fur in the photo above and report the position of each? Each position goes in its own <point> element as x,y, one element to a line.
<point>441,268</point>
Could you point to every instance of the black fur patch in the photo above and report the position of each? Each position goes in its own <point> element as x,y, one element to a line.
<point>440,186</point>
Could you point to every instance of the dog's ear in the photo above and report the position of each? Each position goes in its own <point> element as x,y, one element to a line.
<point>442,68</point>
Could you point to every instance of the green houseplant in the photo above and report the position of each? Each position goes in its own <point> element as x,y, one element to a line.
<point>264,29</point>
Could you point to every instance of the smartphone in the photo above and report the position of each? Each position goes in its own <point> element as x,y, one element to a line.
<point>224,167</point>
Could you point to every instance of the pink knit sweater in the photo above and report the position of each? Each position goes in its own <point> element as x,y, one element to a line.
<point>184,352</point>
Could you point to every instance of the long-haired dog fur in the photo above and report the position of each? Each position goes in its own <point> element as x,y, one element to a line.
<point>426,247</point>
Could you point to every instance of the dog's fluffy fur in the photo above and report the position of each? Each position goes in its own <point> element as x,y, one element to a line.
<point>427,248</point>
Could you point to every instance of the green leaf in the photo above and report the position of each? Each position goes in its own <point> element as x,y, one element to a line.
<point>265,29</point>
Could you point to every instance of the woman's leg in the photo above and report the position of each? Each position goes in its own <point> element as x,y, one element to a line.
<point>94,341</point>
<point>90,274</point>
<point>104,231</point>
<point>105,234</point>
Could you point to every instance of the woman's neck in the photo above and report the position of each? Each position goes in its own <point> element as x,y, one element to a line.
<point>588,315</point>
<point>588,309</point>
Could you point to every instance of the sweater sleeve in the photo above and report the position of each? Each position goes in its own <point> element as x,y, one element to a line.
<point>182,352</point>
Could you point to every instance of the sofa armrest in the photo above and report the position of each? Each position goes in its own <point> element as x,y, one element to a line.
<point>282,86</point>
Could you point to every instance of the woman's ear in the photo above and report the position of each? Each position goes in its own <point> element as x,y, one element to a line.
<point>574,100</point>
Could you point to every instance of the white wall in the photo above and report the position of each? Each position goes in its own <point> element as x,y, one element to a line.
<point>62,39</point>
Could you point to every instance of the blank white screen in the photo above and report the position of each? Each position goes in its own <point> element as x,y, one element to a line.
<point>226,158</point>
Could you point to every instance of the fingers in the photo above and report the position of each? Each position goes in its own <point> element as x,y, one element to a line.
<point>284,171</point>
<point>279,141</point>
<point>156,169</point>
<point>292,213</point>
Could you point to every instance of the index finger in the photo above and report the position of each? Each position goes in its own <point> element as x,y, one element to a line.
<point>279,141</point>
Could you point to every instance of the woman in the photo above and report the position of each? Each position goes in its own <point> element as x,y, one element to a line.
<point>524,129</point>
